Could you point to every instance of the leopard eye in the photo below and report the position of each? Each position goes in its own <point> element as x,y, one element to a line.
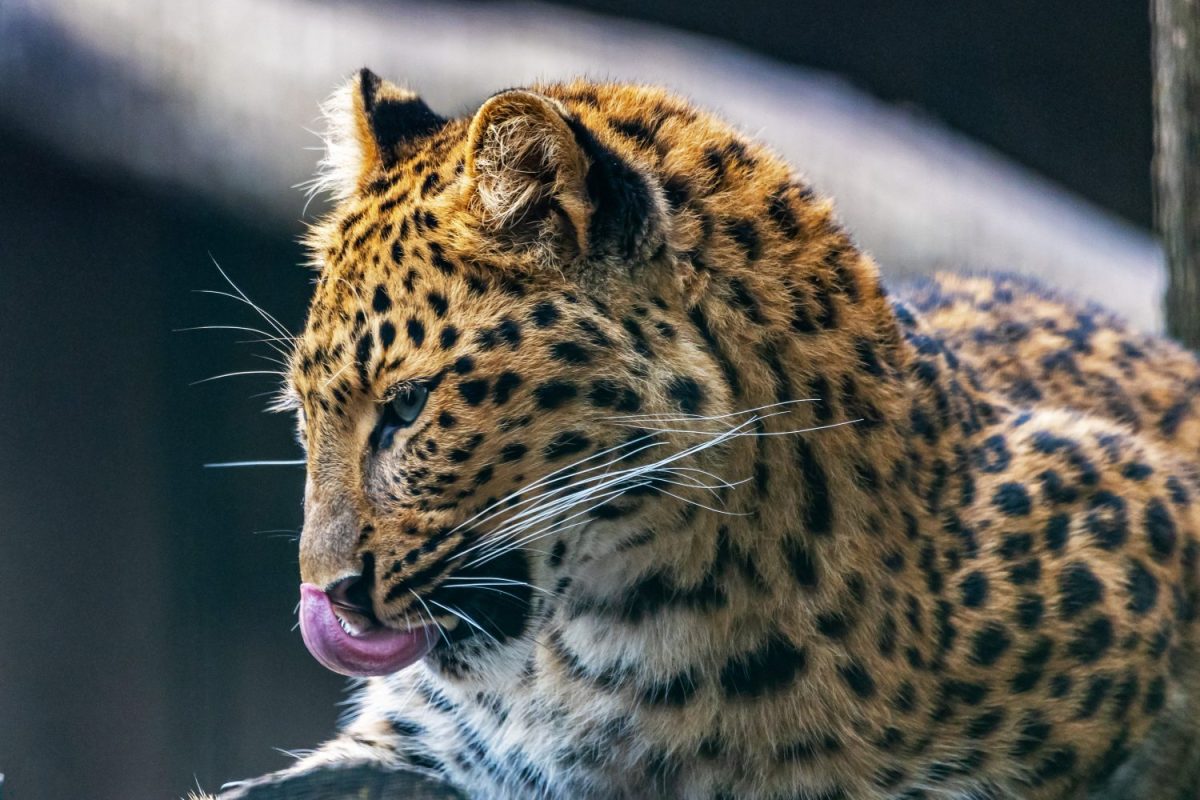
<point>408,403</point>
<point>399,412</point>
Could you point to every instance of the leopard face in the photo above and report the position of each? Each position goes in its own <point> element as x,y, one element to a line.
<point>492,373</point>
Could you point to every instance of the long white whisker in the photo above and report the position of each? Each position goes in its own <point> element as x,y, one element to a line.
<point>458,612</point>
<point>535,536</point>
<point>274,372</point>
<point>291,462</point>
<point>283,364</point>
<point>753,434</point>
<point>501,505</point>
<point>664,417</point>
<point>270,320</point>
<point>502,548</point>
<point>335,375</point>
<point>494,538</point>
<point>432,620</point>
<point>622,475</point>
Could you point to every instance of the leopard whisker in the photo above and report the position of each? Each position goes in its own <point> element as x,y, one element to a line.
<point>290,462</point>
<point>267,317</point>
<point>754,434</point>
<point>612,479</point>
<point>274,372</point>
<point>500,505</point>
<point>497,537</point>
<point>432,619</point>
<point>458,612</point>
<point>663,416</point>
<point>502,548</point>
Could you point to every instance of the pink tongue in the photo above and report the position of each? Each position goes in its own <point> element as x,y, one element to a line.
<point>380,651</point>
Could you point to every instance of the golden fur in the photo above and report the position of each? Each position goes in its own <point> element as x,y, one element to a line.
<point>934,548</point>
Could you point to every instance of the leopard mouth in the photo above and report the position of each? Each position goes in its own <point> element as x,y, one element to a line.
<point>355,646</point>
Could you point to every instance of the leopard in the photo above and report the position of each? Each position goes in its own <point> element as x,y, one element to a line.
<point>627,477</point>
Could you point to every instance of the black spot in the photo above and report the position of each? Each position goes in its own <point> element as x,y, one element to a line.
<point>446,420</point>
<point>779,209</point>
<point>448,337</point>
<point>1057,529</point>
<point>506,383</point>
<point>1106,520</point>
<point>1012,499</point>
<point>769,668</point>
<point>974,589</point>
<point>557,553</point>
<point>1057,763</point>
<point>989,643</point>
<point>565,444</point>
<point>570,352</point>
<point>1097,690</point>
<point>416,332</point>
<point>473,391</point>
<point>686,393</point>
<point>545,314</point>
<point>485,338</point>
<point>1174,415</point>
<point>604,393</point>
<point>818,510</point>
<point>1160,530</point>
<point>985,724</point>
<point>800,561</point>
<point>464,365</point>
<point>858,679</point>
<point>438,258</point>
<point>1079,589</point>
<point>1143,587</point>
<point>387,334</point>
<point>553,394</point>
<point>714,348</point>
<point>1137,471</point>
<point>906,698</point>
<point>834,624</point>
<point>510,331</point>
<point>640,344</point>
<point>1015,544</point>
<point>381,301</point>
<point>1092,640</point>
<point>362,355</point>
<point>513,451</point>
<point>1032,733</point>
<point>1177,491</point>
<point>1030,609</point>
<point>1126,692</point>
<point>868,359</point>
<point>1156,695</point>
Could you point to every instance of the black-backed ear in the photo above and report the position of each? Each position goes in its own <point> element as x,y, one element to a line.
<point>370,122</point>
<point>540,176</point>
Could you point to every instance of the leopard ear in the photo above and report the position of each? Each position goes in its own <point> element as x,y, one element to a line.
<point>369,123</point>
<point>538,175</point>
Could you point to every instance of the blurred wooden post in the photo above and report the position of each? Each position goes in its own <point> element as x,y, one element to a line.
<point>1177,159</point>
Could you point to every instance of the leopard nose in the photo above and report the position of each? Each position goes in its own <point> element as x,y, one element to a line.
<point>353,595</point>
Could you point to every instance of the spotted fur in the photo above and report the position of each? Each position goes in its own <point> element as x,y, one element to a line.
<point>810,542</point>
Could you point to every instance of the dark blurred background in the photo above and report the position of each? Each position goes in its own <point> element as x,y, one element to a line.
<point>146,602</point>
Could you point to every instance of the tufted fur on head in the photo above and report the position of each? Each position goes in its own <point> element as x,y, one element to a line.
<point>368,121</point>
